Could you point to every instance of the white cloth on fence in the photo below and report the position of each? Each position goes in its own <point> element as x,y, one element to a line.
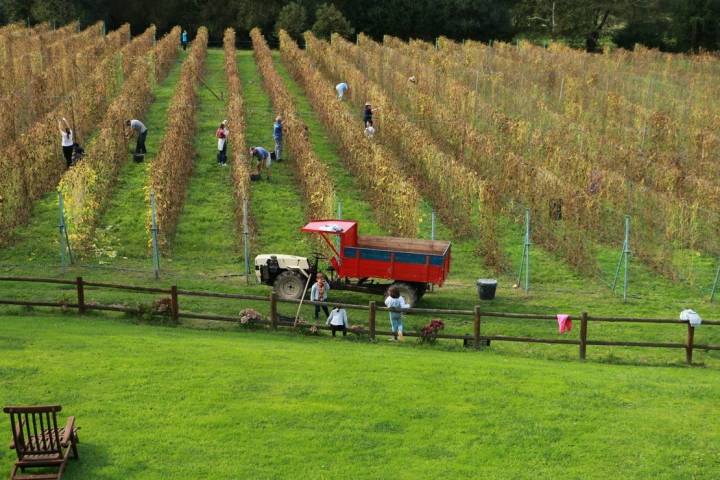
<point>691,316</point>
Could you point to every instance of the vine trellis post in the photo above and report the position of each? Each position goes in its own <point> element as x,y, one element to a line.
<point>624,259</point>
<point>66,256</point>
<point>154,232</point>
<point>525,262</point>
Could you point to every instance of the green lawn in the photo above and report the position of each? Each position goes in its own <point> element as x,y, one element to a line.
<point>166,403</point>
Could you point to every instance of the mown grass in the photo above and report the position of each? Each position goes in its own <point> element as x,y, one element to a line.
<point>158,402</point>
<point>207,222</point>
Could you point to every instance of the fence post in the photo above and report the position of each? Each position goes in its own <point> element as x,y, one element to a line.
<point>689,344</point>
<point>273,310</point>
<point>371,321</point>
<point>476,326</point>
<point>174,307</point>
<point>583,335</point>
<point>80,294</point>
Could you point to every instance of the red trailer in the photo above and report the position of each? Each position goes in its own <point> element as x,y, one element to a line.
<point>359,261</point>
<point>410,263</point>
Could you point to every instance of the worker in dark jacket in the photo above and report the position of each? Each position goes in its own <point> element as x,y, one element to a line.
<point>368,114</point>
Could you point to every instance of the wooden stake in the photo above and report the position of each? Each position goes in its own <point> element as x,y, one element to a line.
<point>174,307</point>
<point>583,335</point>
<point>80,295</point>
<point>273,310</point>
<point>371,321</point>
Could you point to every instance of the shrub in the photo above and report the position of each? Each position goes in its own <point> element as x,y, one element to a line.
<point>306,328</point>
<point>428,334</point>
<point>249,316</point>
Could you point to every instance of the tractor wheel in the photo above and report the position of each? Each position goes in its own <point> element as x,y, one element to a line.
<point>408,292</point>
<point>289,284</point>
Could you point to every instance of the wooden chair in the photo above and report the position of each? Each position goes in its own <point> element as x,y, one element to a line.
<point>39,443</point>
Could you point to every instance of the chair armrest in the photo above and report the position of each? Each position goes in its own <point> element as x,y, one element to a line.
<point>69,431</point>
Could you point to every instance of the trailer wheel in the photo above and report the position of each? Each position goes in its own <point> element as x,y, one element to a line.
<point>289,284</point>
<point>407,291</point>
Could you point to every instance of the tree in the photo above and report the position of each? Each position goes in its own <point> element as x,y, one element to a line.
<point>696,24</point>
<point>586,20</point>
<point>329,20</point>
<point>293,19</point>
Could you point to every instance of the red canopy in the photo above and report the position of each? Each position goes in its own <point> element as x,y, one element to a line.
<point>329,226</point>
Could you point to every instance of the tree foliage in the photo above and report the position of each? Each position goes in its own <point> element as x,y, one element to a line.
<point>293,19</point>
<point>329,20</point>
<point>675,25</point>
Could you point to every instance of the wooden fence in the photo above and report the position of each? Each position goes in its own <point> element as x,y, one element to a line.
<point>477,339</point>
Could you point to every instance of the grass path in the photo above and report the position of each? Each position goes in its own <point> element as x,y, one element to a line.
<point>292,406</point>
<point>122,230</point>
<point>206,229</point>
<point>277,207</point>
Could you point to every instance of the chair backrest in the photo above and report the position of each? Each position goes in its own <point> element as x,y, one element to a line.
<point>35,430</point>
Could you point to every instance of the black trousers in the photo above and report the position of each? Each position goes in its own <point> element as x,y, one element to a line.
<point>140,146</point>
<point>317,311</point>
<point>335,328</point>
<point>67,153</point>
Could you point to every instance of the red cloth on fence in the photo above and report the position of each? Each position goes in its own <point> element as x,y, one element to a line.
<point>564,323</point>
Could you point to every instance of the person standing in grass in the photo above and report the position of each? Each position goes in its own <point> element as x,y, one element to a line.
<point>141,130</point>
<point>226,131</point>
<point>319,293</point>
<point>263,159</point>
<point>341,88</point>
<point>184,39</point>
<point>395,301</point>
<point>338,321</point>
<point>278,137</point>
<point>66,135</point>
<point>221,135</point>
<point>368,114</point>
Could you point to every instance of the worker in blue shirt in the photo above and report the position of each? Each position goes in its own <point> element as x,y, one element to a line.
<point>263,159</point>
<point>184,39</point>
<point>341,88</point>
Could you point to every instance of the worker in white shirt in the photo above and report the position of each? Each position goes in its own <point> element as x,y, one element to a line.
<point>141,130</point>
<point>338,321</point>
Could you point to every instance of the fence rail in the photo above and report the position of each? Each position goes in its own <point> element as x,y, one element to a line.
<point>475,340</point>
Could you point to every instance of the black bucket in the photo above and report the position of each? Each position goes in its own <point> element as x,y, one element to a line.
<point>486,288</point>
